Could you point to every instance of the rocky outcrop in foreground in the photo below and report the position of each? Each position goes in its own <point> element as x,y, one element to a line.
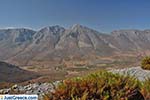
<point>37,88</point>
<point>137,72</point>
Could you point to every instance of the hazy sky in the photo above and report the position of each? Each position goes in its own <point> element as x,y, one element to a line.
<point>102,15</point>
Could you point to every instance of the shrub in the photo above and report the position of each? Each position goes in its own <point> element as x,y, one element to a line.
<point>145,89</point>
<point>145,63</point>
<point>98,86</point>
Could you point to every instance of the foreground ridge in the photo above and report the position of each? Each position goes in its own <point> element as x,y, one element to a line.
<point>126,86</point>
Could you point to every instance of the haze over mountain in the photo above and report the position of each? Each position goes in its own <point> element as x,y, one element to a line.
<point>23,46</point>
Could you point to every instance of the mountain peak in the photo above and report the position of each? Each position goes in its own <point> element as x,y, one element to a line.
<point>81,28</point>
<point>55,28</point>
<point>78,26</point>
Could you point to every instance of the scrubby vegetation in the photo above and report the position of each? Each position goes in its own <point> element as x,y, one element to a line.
<point>145,89</point>
<point>145,63</point>
<point>101,86</point>
<point>5,85</point>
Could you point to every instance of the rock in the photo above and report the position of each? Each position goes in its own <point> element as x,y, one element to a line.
<point>21,88</point>
<point>137,72</point>
<point>14,86</point>
<point>35,85</point>
<point>29,92</point>
<point>1,91</point>
<point>6,91</point>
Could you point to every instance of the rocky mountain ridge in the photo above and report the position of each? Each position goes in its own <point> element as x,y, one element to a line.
<point>23,46</point>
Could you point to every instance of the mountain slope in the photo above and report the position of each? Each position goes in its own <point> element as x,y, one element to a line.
<point>132,39</point>
<point>24,46</point>
<point>14,41</point>
<point>11,73</point>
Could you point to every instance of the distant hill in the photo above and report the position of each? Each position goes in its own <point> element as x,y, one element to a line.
<point>24,46</point>
<point>12,74</point>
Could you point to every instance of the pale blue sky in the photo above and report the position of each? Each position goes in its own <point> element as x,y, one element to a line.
<point>102,15</point>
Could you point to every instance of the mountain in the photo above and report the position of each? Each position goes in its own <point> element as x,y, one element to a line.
<point>132,39</point>
<point>82,40</point>
<point>14,41</point>
<point>25,47</point>
<point>11,73</point>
